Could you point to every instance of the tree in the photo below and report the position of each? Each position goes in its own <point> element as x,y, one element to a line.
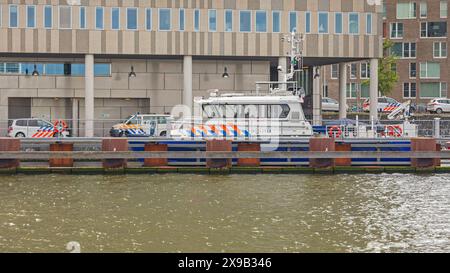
<point>387,74</point>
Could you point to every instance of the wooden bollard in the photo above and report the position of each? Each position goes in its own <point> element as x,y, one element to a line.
<point>343,147</point>
<point>61,162</point>
<point>321,144</point>
<point>116,145</point>
<point>9,145</point>
<point>438,149</point>
<point>249,147</point>
<point>155,162</point>
<point>217,145</point>
<point>423,145</point>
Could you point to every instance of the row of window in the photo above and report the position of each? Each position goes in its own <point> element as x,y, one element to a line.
<point>246,23</point>
<point>427,30</point>
<point>408,10</point>
<point>54,69</point>
<point>364,71</point>
<point>408,50</point>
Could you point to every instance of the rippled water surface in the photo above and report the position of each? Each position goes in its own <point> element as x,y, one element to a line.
<point>237,213</point>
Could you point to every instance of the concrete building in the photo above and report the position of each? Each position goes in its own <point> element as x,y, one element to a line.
<point>419,32</point>
<point>92,60</point>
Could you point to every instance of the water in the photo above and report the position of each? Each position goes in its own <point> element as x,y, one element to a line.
<point>237,213</point>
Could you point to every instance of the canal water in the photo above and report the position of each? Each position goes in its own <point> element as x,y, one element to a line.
<point>236,213</point>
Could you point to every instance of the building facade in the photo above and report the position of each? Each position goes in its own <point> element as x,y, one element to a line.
<point>418,30</point>
<point>95,60</point>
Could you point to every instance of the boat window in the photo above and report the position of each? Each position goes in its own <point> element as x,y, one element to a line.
<point>230,111</point>
<point>279,111</point>
<point>250,111</point>
<point>263,109</point>
<point>213,111</point>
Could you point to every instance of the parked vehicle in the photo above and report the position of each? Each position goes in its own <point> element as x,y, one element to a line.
<point>37,128</point>
<point>439,105</point>
<point>385,104</point>
<point>331,105</point>
<point>151,125</point>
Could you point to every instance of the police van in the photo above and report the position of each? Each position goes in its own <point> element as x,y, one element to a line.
<point>37,128</point>
<point>140,125</point>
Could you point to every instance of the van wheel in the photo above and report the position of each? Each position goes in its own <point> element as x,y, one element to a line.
<point>163,134</point>
<point>20,135</point>
<point>439,111</point>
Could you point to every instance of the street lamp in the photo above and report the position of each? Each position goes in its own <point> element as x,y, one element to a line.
<point>225,74</point>
<point>132,74</point>
<point>35,72</point>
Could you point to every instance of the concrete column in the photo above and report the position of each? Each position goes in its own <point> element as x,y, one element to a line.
<point>374,89</point>
<point>75,117</point>
<point>317,98</point>
<point>187,92</point>
<point>89,96</point>
<point>342,90</point>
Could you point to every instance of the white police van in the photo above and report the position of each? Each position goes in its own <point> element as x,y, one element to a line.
<point>36,128</point>
<point>139,125</point>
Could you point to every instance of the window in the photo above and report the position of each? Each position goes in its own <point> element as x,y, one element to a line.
<point>396,30</point>
<point>308,22</point>
<point>368,23</point>
<point>353,23</point>
<point>409,90</point>
<point>430,70</point>
<point>65,17</point>
<point>212,20</point>
<point>228,20</point>
<point>245,21</point>
<point>261,21</point>
<point>148,19</point>
<point>82,17</point>
<point>323,22</point>
<point>338,23</point>
<point>412,70</point>
<point>365,70</point>
<point>181,20</point>
<point>292,21</point>
<point>132,18</point>
<point>384,12</point>
<point>351,90</point>
<point>353,71</point>
<point>440,50</point>
<point>334,71</point>
<point>48,17</point>
<point>276,21</point>
<point>115,18</point>
<point>404,50</point>
<point>165,21</point>
<point>365,90</point>
<point>31,16</point>
<point>443,9</point>
<point>433,29</point>
<point>423,10</point>
<point>196,20</point>
<point>13,16</point>
<point>433,89</point>
<point>406,10</point>
<point>99,18</point>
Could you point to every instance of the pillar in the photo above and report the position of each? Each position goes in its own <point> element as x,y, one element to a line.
<point>155,162</point>
<point>374,89</point>
<point>218,145</point>
<point>8,144</point>
<point>342,90</point>
<point>317,98</point>
<point>187,92</point>
<point>321,144</point>
<point>114,145</point>
<point>424,145</point>
<point>89,96</point>
<point>75,117</point>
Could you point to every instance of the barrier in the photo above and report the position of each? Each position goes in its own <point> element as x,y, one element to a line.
<point>343,147</point>
<point>155,162</point>
<point>61,162</point>
<point>218,145</point>
<point>249,147</point>
<point>114,145</point>
<point>423,145</point>
<point>320,144</point>
<point>9,144</point>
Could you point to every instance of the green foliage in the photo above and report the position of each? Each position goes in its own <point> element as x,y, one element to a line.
<point>387,74</point>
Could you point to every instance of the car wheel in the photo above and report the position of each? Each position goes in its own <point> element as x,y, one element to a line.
<point>121,134</point>
<point>163,134</point>
<point>20,135</point>
<point>439,111</point>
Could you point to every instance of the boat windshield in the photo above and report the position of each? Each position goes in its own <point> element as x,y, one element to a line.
<point>274,111</point>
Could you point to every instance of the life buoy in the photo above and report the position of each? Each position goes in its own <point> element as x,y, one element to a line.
<point>335,131</point>
<point>59,126</point>
<point>394,131</point>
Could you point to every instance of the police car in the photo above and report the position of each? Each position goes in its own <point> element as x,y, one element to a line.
<point>150,125</point>
<point>37,128</point>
